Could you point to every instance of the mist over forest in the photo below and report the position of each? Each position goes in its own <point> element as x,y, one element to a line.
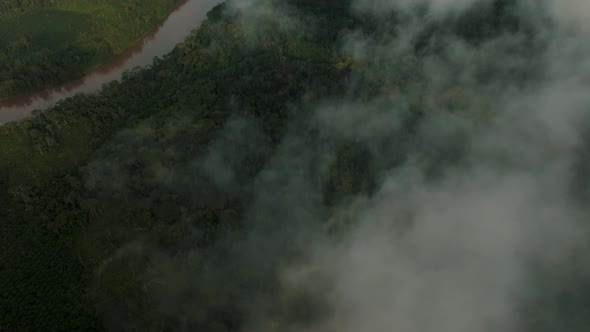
<point>315,166</point>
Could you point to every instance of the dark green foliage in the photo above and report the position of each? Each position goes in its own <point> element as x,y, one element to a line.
<point>351,173</point>
<point>131,209</point>
<point>65,176</point>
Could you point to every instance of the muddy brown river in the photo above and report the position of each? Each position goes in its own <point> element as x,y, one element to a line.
<point>173,29</point>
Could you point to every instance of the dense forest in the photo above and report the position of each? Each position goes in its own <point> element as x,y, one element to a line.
<point>47,42</point>
<point>307,166</point>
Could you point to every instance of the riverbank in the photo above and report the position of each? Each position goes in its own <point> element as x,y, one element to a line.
<point>45,46</point>
<point>173,30</point>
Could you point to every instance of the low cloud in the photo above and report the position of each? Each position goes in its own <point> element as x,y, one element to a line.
<point>456,144</point>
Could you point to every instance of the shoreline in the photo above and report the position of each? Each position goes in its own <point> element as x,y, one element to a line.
<point>100,67</point>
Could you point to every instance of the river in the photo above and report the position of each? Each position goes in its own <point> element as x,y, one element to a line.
<point>161,40</point>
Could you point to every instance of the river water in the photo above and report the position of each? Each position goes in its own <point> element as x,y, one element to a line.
<point>173,30</point>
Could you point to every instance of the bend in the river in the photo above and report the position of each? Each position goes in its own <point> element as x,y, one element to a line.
<point>158,42</point>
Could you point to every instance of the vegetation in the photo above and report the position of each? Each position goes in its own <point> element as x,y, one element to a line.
<point>60,217</point>
<point>43,43</point>
<point>164,165</point>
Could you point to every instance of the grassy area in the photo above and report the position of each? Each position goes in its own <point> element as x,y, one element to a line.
<point>46,44</point>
